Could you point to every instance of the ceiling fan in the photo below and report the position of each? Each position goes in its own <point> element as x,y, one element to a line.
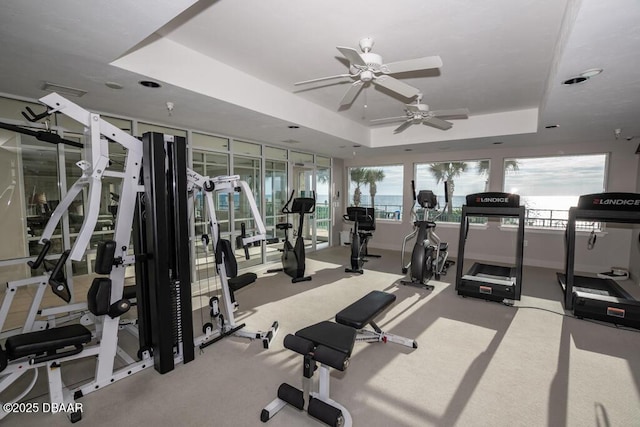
<point>419,113</point>
<point>368,67</point>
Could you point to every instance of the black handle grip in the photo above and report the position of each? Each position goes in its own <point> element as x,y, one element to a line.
<point>35,264</point>
<point>57,280</point>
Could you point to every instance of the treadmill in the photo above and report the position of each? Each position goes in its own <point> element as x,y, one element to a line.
<point>594,297</point>
<point>491,282</point>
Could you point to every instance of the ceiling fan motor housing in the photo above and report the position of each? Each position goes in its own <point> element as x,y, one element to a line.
<point>373,60</point>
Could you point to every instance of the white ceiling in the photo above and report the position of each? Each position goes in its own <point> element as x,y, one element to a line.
<point>229,67</point>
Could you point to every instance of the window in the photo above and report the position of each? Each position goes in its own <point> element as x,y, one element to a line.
<point>463,177</point>
<point>379,187</point>
<point>549,186</point>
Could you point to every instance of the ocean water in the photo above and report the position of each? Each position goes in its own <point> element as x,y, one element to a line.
<point>392,203</point>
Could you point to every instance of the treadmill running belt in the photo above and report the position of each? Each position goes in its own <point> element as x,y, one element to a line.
<point>592,291</point>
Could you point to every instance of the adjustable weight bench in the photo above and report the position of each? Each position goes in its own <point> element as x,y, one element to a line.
<point>329,344</point>
<point>362,312</point>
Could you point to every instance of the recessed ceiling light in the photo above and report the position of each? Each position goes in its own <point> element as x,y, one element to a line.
<point>575,80</point>
<point>551,126</point>
<point>150,84</point>
<point>294,127</point>
<point>591,72</point>
<point>498,143</point>
<point>113,85</point>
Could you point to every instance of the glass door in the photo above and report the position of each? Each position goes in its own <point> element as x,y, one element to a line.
<point>323,206</point>
<point>275,195</point>
<point>303,182</point>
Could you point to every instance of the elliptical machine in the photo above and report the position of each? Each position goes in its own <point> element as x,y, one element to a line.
<point>293,257</point>
<point>429,255</point>
<point>363,226</point>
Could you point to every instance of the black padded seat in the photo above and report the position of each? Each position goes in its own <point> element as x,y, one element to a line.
<point>47,341</point>
<point>242,280</point>
<point>284,226</point>
<point>444,246</point>
<point>363,311</point>
<point>333,335</point>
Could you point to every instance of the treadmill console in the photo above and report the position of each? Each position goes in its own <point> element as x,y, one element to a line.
<point>610,201</point>
<point>494,200</point>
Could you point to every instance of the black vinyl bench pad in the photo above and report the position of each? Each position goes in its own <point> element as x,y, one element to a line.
<point>362,312</point>
<point>47,341</point>
<point>333,335</point>
<point>239,282</point>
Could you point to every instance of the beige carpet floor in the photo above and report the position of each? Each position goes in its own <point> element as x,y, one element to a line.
<point>478,363</point>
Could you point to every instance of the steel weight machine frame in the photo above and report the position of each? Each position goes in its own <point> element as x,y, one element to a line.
<point>230,185</point>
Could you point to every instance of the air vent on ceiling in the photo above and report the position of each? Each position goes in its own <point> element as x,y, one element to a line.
<point>66,90</point>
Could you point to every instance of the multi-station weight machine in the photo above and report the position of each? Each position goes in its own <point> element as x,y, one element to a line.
<point>153,213</point>
<point>223,321</point>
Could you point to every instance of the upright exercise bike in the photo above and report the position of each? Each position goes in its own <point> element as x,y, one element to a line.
<point>363,226</point>
<point>293,257</point>
<point>429,255</point>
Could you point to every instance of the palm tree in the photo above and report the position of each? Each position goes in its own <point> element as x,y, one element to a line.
<point>358,176</point>
<point>372,176</point>
<point>445,172</point>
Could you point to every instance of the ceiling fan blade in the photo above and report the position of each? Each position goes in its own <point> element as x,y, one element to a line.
<point>388,120</point>
<point>351,93</point>
<point>437,123</point>
<point>403,126</point>
<point>396,86</point>
<point>425,63</point>
<point>456,113</point>
<point>352,55</point>
<point>322,79</point>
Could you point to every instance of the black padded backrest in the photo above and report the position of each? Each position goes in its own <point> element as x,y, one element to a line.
<point>99,296</point>
<point>230,263</point>
<point>104,257</point>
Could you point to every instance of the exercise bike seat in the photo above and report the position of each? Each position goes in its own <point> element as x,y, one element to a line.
<point>444,246</point>
<point>284,226</point>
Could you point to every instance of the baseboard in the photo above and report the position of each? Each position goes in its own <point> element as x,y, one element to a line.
<point>528,261</point>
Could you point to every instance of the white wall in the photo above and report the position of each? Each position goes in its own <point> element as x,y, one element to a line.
<point>491,243</point>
